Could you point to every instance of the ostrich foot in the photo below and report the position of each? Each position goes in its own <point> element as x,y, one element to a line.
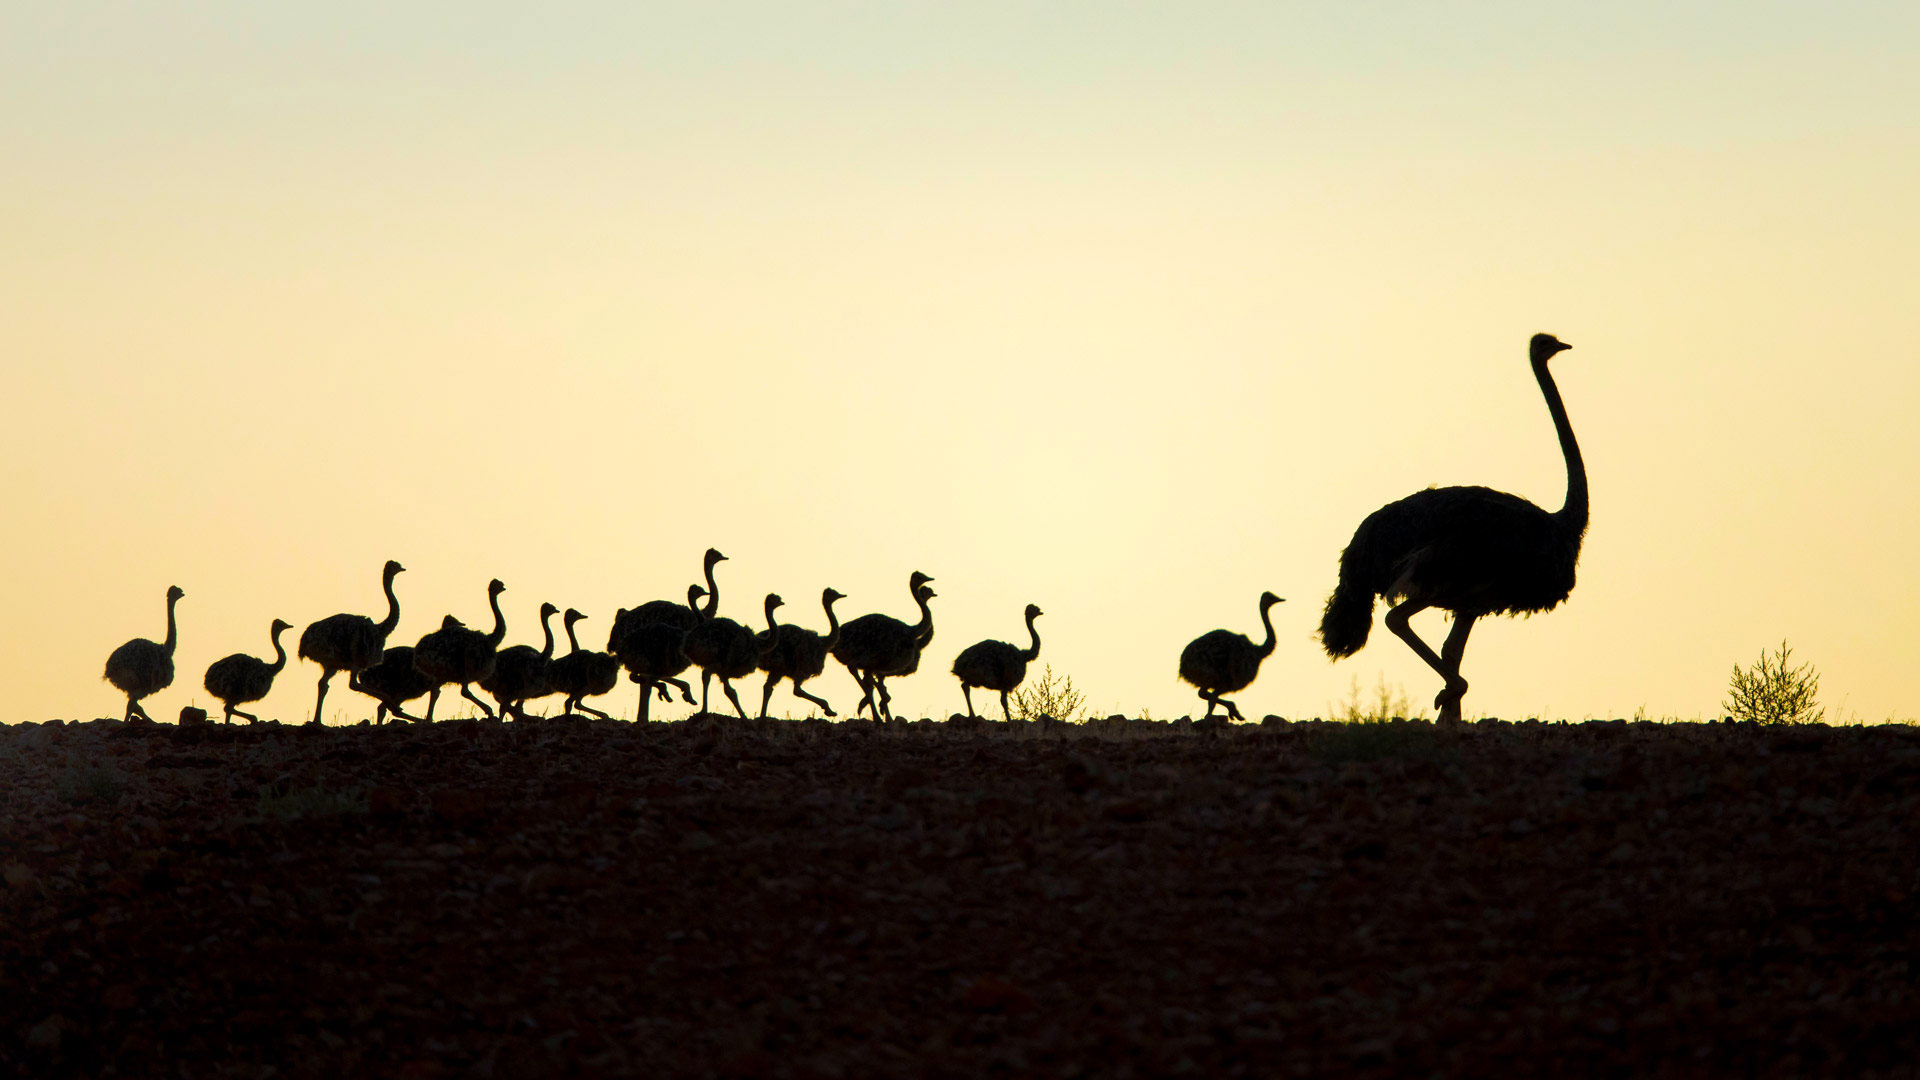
<point>1448,702</point>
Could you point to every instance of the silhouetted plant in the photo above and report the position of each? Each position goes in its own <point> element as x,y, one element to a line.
<point>1050,695</point>
<point>1387,703</point>
<point>1772,692</point>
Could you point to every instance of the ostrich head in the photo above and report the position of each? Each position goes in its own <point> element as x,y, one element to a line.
<point>573,616</point>
<point>450,623</point>
<point>714,556</point>
<point>773,601</point>
<point>830,594</point>
<point>1543,346</point>
<point>924,593</point>
<point>916,580</point>
<point>393,567</point>
<point>1267,600</point>
<point>548,611</point>
<point>496,587</point>
<point>174,592</point>
<point>694,595</point>
<point>280,626</point>
<point>1033,612</point>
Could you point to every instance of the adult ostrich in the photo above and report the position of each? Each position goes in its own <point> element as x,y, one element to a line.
<point>1469,550</point>
<point>798,654</point>
<point>240,678</point>
<point>874,647</point>
<point>456,654</point>
<point>725,650</point>
<point>141,668</point>
<point>582,672</point>
<point>653,653</point>
<point>520,671</point>
<point>1221,661</point>
<point>349,643</point>
<point>392,682</point>
<point>997,665</point>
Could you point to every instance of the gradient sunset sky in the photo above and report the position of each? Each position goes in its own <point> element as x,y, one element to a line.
<point>1129,310</point>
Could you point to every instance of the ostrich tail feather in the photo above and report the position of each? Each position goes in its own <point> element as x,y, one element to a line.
<point>1348,618</point>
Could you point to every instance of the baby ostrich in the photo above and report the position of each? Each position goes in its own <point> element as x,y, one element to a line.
<point>582,672</point>
<point>799,654</point>
<point>455,654</point>
<point>392,682</point>
<point>520,671</point>
<point>874,642</point>
<point>141,668</point>
<point>240,678</point>
<point>726,650</point>
<point>652,653</point>
<point>1221,661</point>
<point>349,642</point>
<point>997,665</point>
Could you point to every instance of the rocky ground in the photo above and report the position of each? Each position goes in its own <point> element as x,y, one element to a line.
<point>807,899</point>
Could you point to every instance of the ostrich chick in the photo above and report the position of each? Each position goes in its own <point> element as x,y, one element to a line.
<point>997,665</point>
<point>392,682</point>
<point>240,678</point>
<point>142,668</point>
<point>1221,661</point>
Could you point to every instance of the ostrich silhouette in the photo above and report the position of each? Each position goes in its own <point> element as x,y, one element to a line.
<point>1222,662</point>
<point>798,654</point>
<point>876,646</point>
<point>520,671</point>
<point>997,665</point>
<point>582,672</point>
<point>1472,551</point>
<point>239,679</point>
<point>142,668</point>
<point>350,643</point>
<point>456,654</point>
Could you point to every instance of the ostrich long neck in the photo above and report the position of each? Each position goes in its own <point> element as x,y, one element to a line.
<point>573,643</point>
<point>546,624</point>
<point>1572,515</point>
<point>279,653</point>
<point>1034,653</point>
<point>713,592</point>
<point>833,625</point>
<point>499,621</point>
<point>773,628</point>
<point>173,634</point>
<point>923,630</point>
<point>1266,619</point>
<point>393,609</point>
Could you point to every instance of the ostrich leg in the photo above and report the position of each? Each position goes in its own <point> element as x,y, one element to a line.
<point>1451,651</point>
<point>967,693</point>
<point>822,702</point>
<point>1396,621</point>
<point>1006,713</point>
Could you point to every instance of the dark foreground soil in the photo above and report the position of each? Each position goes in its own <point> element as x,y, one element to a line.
<point>810,900</point>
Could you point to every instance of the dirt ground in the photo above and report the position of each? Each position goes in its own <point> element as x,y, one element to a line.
<point>804,899</point>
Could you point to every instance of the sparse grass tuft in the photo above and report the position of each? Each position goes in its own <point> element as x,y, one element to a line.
<point>294,804</point>
<point>1384,704</point>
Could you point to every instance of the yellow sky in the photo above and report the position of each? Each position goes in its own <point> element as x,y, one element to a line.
<point>1132,314</point>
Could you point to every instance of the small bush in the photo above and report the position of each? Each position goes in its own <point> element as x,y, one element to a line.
<point>1772,692</point>
<point>1050,695</point>
<point>317,801</point>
